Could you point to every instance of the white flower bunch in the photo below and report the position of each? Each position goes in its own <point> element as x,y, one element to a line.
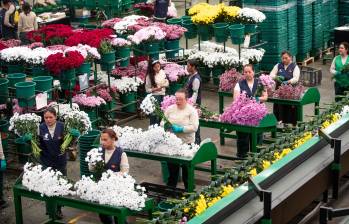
<point>249,15</point>
<point>37,56</point>
<point>94,156</point>
<point>252,55</point>
<point>227,60</point>
<point>198,55</point>
<point>210,47</point>
<point>154,140</point>
<point>121,27</point>
<point>46,181</point>
<point>63,108</point>
<point>112,189</point>
<point>148,104</point>
<point>127,84</point>
<point>89,53</point>
<point>15,54</point>
<point>24,123</point>
<point>345,110</point>
<point>103,78</point>
<point>77,120</point>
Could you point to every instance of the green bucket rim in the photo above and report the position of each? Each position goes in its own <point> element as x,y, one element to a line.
<point>42,78</point>
<point>220,25</point>
<point>4,81</point>
<point>16,75</point>
<point>174,21</point>
<point>25,84</point>
<point>236,26</point>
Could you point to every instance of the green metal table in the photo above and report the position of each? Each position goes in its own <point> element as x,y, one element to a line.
<point>121,213</point>
<point>267,124</point>
<point>311,96</point>
<point>207,152</point>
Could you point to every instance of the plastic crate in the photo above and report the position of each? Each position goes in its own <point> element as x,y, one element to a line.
<point>310,76</point>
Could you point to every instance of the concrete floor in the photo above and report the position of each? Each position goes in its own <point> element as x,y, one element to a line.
<point>145,171</point>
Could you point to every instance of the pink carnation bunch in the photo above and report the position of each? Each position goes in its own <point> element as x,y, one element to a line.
<point>110,23</point>
<point>120,42</point>
<point>57,47</point>
<point>147,34</point>
<point>174,71</point>
<point>88,101</point>
<point>173,32</point>
<point>228,80</point>
<point>35,45</point>
<point>289,92</point>
<point>266,81</point>
<point>244,111</point>
<point>130,71</point>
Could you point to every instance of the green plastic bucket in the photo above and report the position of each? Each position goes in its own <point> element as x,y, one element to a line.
<point>172,46</point>
<point>85,68</point>
<point>191,29</point>
<point>216,73</point>
<point>204,32</point>
<point>107,67</point>
<point>108,58</point>
<point>24,150</point>
<point>124,54</point>
<point>152,49</point>
<point>138,50</point>
<point>14,78</point>
<point>39,71</point>
<point>221,32</point>
<point>3,90</point>
<point>185,18</point>
<point>68,75</point>
<point>44,84</point>
<point>25,92</point>
<point>250,28</point>
<point>237,31</point>
<point>237,40</point>
<point>92,114</point>
<point>14,68</point>
<point>174,21</point>
<point>127,98</point>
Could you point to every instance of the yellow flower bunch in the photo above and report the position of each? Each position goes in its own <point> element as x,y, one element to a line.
<point>213,201</point>
<point>226,190</point>
<point>285,152</point>
<point>231,11</point>
<point>198,8</point>
<point>253,172</point>
<point>306,136</point>
<point>265,164</point>
<point>330,120</point>
<point>208,14</point>
<point>201,205</point>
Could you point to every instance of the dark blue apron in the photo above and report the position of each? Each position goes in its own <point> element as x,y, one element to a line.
<point>288,73</point>
<point>115,160</point>
<point>189,88</point>
<point>244,87</point>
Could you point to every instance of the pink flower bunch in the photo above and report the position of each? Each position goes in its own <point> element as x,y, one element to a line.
<point>110,23</point>
<point>130,71</point>
<point>141,23</point>
<point>244,111</point>
<point>15,107</point>
<point>120,42</point>
<point>266,81</point>
<point>57,47</point>
<point>105,94</point>
<point>171,100</point>
<point>11,42</point>
<point>3,106</point>
<point>35,45</point>
<point>228,80</point>
<point>147,34</point>
<point>88,101</point>
<point>289,92</point>
<point>173,32</point>
<point>174,71</point>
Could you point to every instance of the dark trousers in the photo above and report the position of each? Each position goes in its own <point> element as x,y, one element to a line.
<point>160,9</point>
<point>197,136</point>
<point>338,90</point>
<point>153,118</point>
<point>173,170</point>
<point>285,113</point>
<point>244,143</point>
<point>23,38</point>
<point>1,186</point>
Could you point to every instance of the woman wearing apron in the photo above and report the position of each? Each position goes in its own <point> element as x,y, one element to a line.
<point>341,83</point>
<point>249,87</point>
<point>115,159</point>
<point>285,72</point>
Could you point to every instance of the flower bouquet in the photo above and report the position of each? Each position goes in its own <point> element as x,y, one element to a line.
<point>253,56</point>
<point>290,92</point>
<point>89,53</point>
<point>123,26</point>
<point>122,49</point>
<point>95,161</point>
<point>110,22</point>
<point>251,16</point>
<point>88,101</point>
<point>127,84</point>
<point>150,105</point>
<point>244,111</point>
<point>229,79</point>
<point>38,56</point>
<point>131,71</point>
<point>47,182</point>
<point>51,34</point>
<point>63,109</point>
<point>92,38</point>
<point>59,63</point>
<point>77,120</point>
<point>26,126</point>
<point>175,72</point>
<point>9,43</point>
<point>106,192</point>
<point>154,140</point>
<point>103,91</point>
<point>265,82</point>
<point>15,55</point>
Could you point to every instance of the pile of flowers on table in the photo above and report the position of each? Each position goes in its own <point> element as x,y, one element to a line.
<point>229,79</point>
<point>291,92</point>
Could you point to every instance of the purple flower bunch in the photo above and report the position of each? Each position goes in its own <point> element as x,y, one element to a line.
<point>228,80</point>
<point>266,81</point>
<point>173,32</point>
<point>88,101</point>
<point>289,92</point>
<point>174,71</point>
<point>244,111</point>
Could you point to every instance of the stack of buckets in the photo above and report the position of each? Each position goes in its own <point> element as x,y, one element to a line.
<point>343,11</point>
<point>334,14</point>
<point>292,28</point>
<point>305,28</point>
<point>86,143</point>
<point>317,27</point>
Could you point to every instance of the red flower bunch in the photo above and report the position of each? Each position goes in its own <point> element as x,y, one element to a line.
<point>59,62</point>
<point>146,9</point>
<point>51,34</point>
<point>89,37</point>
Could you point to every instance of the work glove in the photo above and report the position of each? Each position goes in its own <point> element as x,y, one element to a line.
<point>257,99</point>
<point>285,82</point>
<point>75,133</point>
<point>177,128</point>
<point>2,165</point>
<point>27,137</point>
